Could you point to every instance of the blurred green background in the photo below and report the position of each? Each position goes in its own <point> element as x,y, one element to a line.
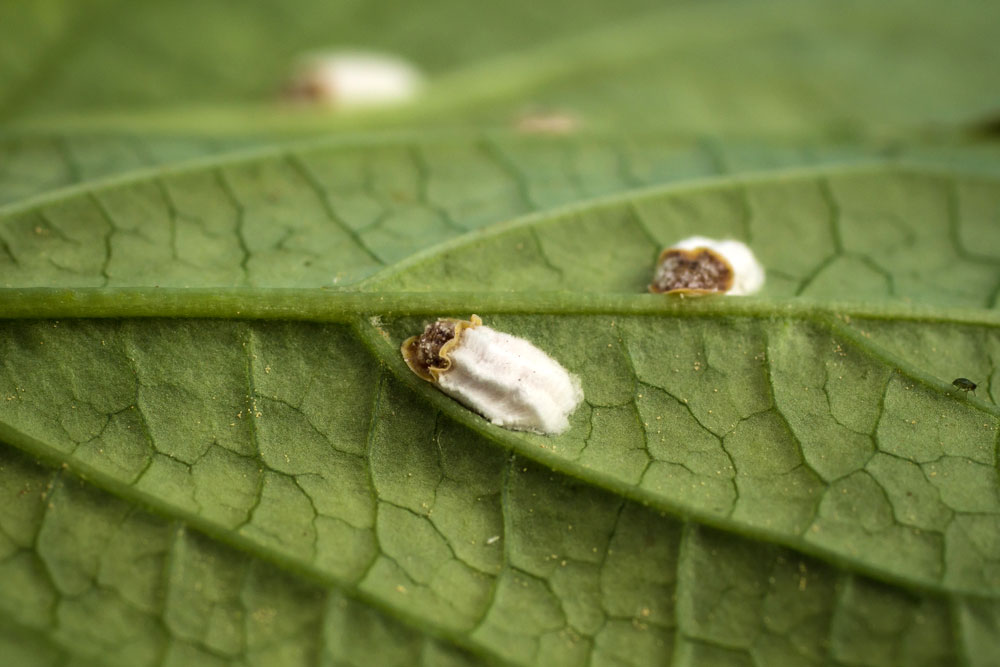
<point>721,67</point>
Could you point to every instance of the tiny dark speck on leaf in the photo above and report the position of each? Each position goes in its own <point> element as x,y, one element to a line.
<point>964,384</point>
<point>986,126</point>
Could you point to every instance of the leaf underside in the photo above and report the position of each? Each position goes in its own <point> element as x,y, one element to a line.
<point>807,445</point>
<point>212,452</point>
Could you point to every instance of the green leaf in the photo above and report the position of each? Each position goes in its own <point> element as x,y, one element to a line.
<point>37,164</point>
<point>333,215</point>
<point>327,215</point>
<point>850,234</point>
<point>211,451</point>
<point>738,68</point>
<point>252,474</point>
<point>113,57</point>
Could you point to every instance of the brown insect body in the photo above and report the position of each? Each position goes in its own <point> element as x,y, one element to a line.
<point>695,271</point>
<point>427,354</point>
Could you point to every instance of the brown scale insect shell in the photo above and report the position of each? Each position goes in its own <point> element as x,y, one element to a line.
<point>411,354</point>
<point>694,255</point>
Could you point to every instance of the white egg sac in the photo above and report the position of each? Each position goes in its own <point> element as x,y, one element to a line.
<point>354,79</point>
<point>504,378</point>
<point>702,265</point>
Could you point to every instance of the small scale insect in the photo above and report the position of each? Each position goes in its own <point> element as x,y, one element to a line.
<point>554,123</point>
<point>964,384</point>
<point>353,79</point>
<point>506,379</point>
<point>700,265</point>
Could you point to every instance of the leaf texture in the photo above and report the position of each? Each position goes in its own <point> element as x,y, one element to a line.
<point>212,452</point>
<point>326,216</point>
<point>814,68</point>
<point>799,441</point>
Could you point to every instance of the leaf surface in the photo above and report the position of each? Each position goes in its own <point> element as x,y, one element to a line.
<point>807,446</point>
<point>212,453</point>
<point>39,164</point>
<point>772,68</point>
<point>329,215</point>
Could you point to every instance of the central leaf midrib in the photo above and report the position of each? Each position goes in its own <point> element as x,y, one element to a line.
<point>344,305</point>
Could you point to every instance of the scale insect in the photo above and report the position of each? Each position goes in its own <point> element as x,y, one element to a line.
<point>700,265</point>
<point>504,378</point>
<point>353,79</point>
